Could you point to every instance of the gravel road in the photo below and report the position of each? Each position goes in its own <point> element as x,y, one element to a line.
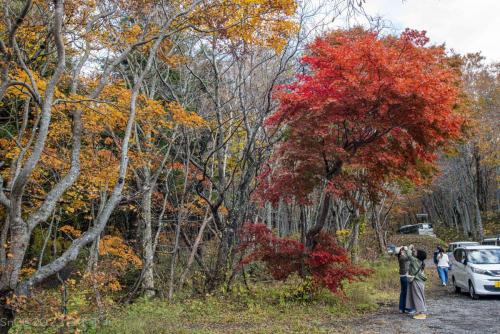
<point>448,312</point>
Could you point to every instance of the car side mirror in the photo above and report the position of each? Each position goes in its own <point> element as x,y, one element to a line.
<point>464,262</point>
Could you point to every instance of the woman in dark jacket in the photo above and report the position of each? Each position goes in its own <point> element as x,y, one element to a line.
<point>404,265</point>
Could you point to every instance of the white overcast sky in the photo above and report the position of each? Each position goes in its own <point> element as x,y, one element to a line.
<point>464,25</point>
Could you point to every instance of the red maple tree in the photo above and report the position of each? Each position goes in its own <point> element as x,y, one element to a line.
<point>327,264</point>
<point>372,108</point>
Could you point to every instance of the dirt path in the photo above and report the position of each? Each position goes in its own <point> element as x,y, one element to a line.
<point>448,312</point>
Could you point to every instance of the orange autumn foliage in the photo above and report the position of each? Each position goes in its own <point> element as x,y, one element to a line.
<point>122,254</point>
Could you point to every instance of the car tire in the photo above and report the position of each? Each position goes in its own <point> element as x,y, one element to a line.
<point>472,291</point>
<point>457,288</point>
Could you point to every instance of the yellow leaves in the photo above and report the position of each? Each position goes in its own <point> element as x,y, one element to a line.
<point>174,60</point>
<point>13,152</point>
<point>196,207</point>
<point>255,22</point>
<point>182,117</point>
<point>342,233</point>
<point>131,35</point>
<point>223,211</point>
<point>115,246</point>
<point>32,33</point>
<point>150,112</point>
<point>19,91</point>
<point>278,34</point>
<point>21,76</point>
<point>71,282</point>
<point>17,302</point>
<point>343,236</point>
<point>68,229</point>
<point>79,12</point>
<point>106,154</point>
<point>167,55</point>
<point>114,285</point>
<point>111,111</point>
<point>27,272</point>
<point>69,320</point>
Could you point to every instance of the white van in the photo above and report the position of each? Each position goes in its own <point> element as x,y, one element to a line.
<point>491,241</point>
<point>476,269</point>
<point>454,245</point>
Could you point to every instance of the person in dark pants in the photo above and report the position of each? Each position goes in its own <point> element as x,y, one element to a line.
<point>404,265</point>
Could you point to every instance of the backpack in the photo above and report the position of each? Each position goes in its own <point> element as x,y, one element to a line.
<point>436,253</point>
<point>421,255</point>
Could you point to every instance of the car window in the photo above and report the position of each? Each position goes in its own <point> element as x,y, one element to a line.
<point>484,256</point>
<point>458,255</point>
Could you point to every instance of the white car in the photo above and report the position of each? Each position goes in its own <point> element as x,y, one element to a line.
<point>476,269</point>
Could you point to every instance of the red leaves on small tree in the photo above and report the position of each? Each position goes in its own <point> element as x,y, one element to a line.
<point>327,264</point>
<point>371,108</point>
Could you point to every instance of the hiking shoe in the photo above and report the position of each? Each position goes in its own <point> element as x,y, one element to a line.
<point>420,316</point>
<point>412,312</point>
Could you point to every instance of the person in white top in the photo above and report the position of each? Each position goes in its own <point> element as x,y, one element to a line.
<point>442,266</point>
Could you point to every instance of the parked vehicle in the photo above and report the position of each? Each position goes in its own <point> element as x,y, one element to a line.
<point>454,245</point>
<point>391,249</point>
<point>476,269</point>
<point>493,241</point>
<point>420,229</point>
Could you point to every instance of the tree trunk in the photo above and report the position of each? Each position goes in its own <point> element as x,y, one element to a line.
<point>303,228</point>
<point>355,241</point>
<point>380,237</point>
<point>320,222</point>
<point>148,283</point>
<point>194,250</point>
<point>480,191</point>
<point>19,242</point>
<point>331,170</point>
<point>175,252</point>
<point>479,223</point>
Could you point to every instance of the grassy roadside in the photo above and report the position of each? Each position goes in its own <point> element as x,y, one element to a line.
<point>267,308</point>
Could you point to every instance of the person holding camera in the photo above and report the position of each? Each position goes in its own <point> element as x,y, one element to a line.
<point>404,266</point>
<point>415,297</point>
